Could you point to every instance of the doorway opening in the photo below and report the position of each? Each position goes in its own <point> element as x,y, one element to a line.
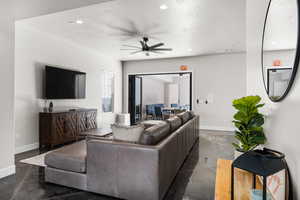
<point>158,96</point>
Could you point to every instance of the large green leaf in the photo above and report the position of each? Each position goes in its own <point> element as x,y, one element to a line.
<point>260,140</point>
<point>260,105</point>
<point>252,99</point>
<point>240,117</point>
<point>241,107</point>
<point>239,125</point>
<point>249,100</point>
<point>237,147</point>
<point>256,120</point>
<point>256,130</point>
<point>241,137</point>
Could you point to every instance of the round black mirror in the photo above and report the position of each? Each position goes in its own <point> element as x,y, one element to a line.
<point>280,48</point>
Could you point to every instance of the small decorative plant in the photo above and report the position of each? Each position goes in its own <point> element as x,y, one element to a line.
<point>248,122</point>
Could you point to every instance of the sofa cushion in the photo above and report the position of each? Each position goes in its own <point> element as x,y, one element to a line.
<point>185,116</point>
<point>127,133</point>
<point>192,114</point>
<point>175,123</point>
<point>149,123</point>
<point>155,134</point>
<point>70,158</point>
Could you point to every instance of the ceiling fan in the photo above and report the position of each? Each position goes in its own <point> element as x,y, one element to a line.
<point>145,48</point>
<point>131,30</point>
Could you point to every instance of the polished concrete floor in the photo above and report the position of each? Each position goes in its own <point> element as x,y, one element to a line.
<point>195,180</point>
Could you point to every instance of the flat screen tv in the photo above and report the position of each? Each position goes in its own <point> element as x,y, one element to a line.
<point>64,84</point>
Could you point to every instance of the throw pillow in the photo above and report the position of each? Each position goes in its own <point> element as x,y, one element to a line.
<point>127,133</point>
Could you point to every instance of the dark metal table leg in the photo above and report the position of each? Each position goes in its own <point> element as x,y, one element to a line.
<point>254,182</point>
<point>264,188</point>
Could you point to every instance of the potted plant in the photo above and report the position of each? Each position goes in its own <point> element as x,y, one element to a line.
<point>248,122</point>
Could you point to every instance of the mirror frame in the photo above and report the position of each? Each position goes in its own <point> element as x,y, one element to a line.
<point>297,54</point>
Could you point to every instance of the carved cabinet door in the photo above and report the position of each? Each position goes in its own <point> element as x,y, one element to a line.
<point>91,119</point>
<point>81,119</point>
<point>71,131</point>
<point>58,129</point>
<point>65,128</point>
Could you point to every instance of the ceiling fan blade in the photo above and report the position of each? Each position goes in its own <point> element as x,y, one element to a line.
<point>154,37</point>
<point>143,44</point>
<point>158,32</point>
<point>131,46</point>
<point>136,52</point>
<point>121,29</point>
<point>129,49</point>
<point>157,52</point>
<point>156,45</point>
<point>127,38</point>
<point>162,49</point>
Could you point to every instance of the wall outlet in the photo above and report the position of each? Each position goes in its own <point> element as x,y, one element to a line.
<point>202,101</point>
<point>210,98</point>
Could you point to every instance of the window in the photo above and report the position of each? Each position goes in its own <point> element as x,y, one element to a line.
<point>107,91</point>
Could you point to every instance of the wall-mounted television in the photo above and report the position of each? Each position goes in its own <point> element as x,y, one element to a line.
<point>64,84</point>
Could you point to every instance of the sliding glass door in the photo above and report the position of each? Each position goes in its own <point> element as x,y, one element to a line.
<point>135,99</point>
<point>158,96</point>
<point>184,91</point>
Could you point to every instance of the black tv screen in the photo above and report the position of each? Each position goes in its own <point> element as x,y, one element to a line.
<point>64,84</point>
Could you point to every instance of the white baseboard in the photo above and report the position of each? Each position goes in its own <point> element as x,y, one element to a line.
<point>25,148</point>
<point>7,171</point>
<point>217,128</point>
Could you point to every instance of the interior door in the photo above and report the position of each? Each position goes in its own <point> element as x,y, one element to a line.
<point>135,98</point>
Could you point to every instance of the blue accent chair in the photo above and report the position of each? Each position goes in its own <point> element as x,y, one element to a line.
<point>154,110</point>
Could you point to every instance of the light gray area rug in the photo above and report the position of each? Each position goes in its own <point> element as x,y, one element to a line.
<point>38,160</point>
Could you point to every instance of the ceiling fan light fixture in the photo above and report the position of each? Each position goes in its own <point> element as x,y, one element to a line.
<point>78,21</point>
<point>156,48</point>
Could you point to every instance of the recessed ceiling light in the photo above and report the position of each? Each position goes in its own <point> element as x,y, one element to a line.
<point>190,49</point>
<point>79,21</point>
<point>163,7</point>
<point>274,43</point>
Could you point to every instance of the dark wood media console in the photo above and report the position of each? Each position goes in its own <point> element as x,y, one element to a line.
<point>56,128</point>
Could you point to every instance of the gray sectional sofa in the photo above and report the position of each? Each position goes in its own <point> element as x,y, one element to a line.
<point>126,170</point>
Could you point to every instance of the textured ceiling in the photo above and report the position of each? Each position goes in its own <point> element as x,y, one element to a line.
<point>190,27</point>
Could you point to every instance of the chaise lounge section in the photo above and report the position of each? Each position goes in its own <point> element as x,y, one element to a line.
<point>126,170</point>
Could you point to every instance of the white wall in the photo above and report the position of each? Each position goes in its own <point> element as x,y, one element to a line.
<point>151,96</point>
<point>171,91</point>
<point>221,78</point>
<point>7,89</point>
<point>184,88</point>
<point>282,127</point>
<point>9,11</point>
<point>33,50</point>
